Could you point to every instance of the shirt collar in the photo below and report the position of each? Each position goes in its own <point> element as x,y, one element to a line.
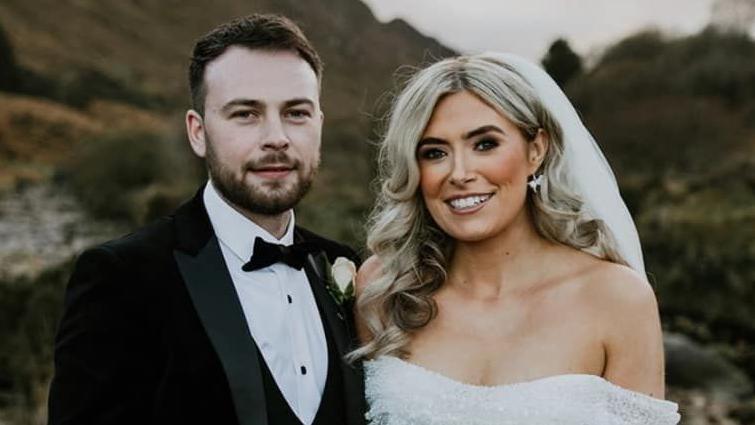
<point>235,230</point>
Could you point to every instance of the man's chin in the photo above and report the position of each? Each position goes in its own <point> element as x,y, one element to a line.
<point>256,184</point>
<point>270,199</point>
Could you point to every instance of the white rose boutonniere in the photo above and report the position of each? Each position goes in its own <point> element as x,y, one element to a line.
<point>341,279</point>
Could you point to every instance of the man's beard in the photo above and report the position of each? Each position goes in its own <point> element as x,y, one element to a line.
<point>268,198</point>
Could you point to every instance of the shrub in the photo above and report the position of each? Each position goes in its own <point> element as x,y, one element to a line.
<point>561,62</point>
<point>8,69</point>
<point>29,313</point>
<point>118,175</point>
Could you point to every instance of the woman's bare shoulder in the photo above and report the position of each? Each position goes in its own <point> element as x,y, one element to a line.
<point>618,289</point>
<point>625,303</point>
<point>368,272</point>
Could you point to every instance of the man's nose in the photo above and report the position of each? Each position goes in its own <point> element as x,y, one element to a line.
<point>275,137</point>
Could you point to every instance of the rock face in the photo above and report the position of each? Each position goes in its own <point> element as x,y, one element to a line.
<point>692,366</point>
<point>42,226</point>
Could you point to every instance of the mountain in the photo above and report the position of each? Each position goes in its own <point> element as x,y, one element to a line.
<point>135,53</point>
<point>146,43</point>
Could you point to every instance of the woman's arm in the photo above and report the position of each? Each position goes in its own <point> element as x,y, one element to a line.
<point>633,338</point>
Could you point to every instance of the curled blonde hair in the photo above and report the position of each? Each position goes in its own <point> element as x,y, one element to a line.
<point>413,251</point>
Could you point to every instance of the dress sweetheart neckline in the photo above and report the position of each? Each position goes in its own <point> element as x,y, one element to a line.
<point>594,378</point>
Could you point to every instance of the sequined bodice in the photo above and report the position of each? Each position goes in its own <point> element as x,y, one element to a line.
<point>402,393</point>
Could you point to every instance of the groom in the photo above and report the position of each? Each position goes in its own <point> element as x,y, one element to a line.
<point>223,313</point>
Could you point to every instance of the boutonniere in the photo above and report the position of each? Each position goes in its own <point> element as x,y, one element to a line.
<point>340,280</point>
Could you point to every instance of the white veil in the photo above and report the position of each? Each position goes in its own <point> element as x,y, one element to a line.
<point>589,171</point>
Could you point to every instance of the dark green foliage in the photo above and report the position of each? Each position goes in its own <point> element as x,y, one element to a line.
<point>340,200</point>
<point>687,101</point>
<point>80,87</point>
<point>561,62</point>
<point>132,176</point>
<point>29,313</point>
<point>8,68</point>
<point>675,119</point>
<point>645,46</point>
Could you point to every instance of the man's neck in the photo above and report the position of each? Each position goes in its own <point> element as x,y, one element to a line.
<point>276,225</point>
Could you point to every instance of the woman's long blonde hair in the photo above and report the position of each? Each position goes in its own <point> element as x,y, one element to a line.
<point>413,251</point>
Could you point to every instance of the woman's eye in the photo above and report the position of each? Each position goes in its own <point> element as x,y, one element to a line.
<point>431,153</point>
<point>486,144</point>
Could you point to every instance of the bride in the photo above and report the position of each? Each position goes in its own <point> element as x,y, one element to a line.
<point>507,283</point>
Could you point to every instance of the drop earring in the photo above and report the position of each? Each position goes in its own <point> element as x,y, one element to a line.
<point>535,182</point>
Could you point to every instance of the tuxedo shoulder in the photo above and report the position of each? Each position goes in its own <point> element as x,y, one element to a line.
<point>152,241</point>
<point>333,249</point>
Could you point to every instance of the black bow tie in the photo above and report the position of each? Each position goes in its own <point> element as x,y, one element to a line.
<point>266,254</point>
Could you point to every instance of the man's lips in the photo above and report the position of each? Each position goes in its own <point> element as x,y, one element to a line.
<point>273,171</point>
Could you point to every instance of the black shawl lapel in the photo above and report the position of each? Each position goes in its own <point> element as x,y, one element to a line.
<point>213,294</point>
<point>341,329</point>
<point>315,268</point>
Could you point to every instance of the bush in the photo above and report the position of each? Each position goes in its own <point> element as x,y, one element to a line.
<point>29,313</point>
<point>8,69</point>
<point>561,62</point>
<point>122,175</point>
<point>80,87</point>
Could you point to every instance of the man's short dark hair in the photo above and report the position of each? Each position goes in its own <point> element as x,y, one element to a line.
<point>257,31</point>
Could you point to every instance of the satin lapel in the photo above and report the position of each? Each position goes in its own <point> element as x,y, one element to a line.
<point>341,331</point>
<point>334,315</point>
<point>214,297</point>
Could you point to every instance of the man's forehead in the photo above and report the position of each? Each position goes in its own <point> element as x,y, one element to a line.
<point>267,76</point>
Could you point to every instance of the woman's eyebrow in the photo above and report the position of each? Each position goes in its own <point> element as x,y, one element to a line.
<point>482,130</point>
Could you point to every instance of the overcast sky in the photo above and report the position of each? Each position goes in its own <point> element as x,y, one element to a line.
<point>527,27</point>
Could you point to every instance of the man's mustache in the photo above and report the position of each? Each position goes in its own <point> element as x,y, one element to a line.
<point>277,158</point>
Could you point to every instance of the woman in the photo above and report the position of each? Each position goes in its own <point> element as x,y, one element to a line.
<point>507,282</point>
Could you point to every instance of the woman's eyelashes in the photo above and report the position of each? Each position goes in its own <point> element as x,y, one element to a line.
<point>486,144</point>
<point>431,153</point>
<point>436,152</point>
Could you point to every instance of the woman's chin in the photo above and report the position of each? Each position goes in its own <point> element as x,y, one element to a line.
<point>471,234</point>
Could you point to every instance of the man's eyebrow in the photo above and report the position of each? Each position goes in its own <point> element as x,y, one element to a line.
<point>252,103</point>
<point>482,130</point>
<point>299,101</point>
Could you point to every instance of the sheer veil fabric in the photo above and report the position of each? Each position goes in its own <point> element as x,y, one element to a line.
<point>589,173</point>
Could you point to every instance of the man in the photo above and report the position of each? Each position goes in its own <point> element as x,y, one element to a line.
<point>222,313</point>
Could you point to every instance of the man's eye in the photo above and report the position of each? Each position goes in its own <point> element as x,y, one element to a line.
<point>486,144</point>
<point>431,153</point>
<point>299,113</point>
<point>244,114</point>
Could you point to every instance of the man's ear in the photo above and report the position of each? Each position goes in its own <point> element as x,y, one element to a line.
<point>537,148</point>
<point>195,131</point>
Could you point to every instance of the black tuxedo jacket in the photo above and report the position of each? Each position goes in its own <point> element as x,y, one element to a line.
<point>153,332</point>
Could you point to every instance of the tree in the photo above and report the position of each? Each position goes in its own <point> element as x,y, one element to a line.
<point>8,71</point>
<point>561,62</point>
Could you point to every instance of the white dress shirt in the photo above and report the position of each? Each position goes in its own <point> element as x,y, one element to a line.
<point>279,306</point>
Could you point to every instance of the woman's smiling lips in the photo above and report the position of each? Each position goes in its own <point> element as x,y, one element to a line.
<point>468,203</point>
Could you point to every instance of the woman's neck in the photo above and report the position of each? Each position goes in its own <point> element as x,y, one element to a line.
<point>506,262</point>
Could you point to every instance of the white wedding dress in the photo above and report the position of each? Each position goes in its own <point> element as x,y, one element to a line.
<point>402,393</point>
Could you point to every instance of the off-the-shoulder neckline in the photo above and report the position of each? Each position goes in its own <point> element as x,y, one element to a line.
<point>530,382</point>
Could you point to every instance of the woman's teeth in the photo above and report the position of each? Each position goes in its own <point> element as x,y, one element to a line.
<point>468,202</point>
